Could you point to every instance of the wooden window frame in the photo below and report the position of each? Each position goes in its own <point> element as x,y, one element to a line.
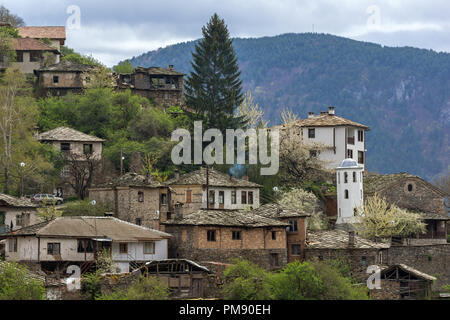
<point>211,235</point>
<point>121,247</point>
<point>153,246</point>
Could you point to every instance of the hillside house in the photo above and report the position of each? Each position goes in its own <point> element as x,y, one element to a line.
<point>76,147</point>
<point>164,86</point>
<point>295,233</point>
<point>339,244</point>
<point>31,54</point>
<point>414,194</point>
<point>216,235</point>
<point>224,191</point>
<point>63,241</point>
<point>16,213</point>
<point>55,34</point>
<point>135,198</point>
<point>61,78</point>
<point>341,138</point>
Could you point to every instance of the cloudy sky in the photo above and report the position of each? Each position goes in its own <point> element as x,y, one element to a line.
<point>115,30</point>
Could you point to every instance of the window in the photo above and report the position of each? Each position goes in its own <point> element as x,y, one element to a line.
<point>243,197</point>
<point>211,235</point>
<point>163,198</point>
<point>140,196</point>
<point>65,171</point>
<point>55,79</point>
<point>410,187</point>
<point>354,176</point>
<point>212,196</point>
<point>293,226</point>
<point>346,194</point>
<point>360,135</point>
<point>313,153</point>
<point>361,157</point>
<point>233,197</point>
<point>89,246</point>
<point>350,153</point>
<point>149,247</point>
<point>123,247</point>
<point>80,246</point>
<point>12,244</point>
<point>250,197</point>
<point>275,259</point>
<point>139,221</point>
<point>19,220</point>
<point>311,133</point>
<point>380,257</point>
<point>274,235</point>
<point>345,177</point>
<point>363,260</point>
<point>296,249</point>
<point>188,196</point>
<point>35,56</point>
<point>236,235</point>
<point>19,56</point>
<point>87,148</point>
<point>221,197</point>
<point>65,146</point>
<point>53,248</point>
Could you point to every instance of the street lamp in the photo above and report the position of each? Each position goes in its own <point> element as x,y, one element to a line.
<point>22,165</point>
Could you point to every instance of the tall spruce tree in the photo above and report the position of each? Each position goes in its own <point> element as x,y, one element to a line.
<point>214,89</point>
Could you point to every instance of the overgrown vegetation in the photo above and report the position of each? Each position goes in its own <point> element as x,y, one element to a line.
<point>145,288</point>
<point>297,281</point>
<point>16,283</point>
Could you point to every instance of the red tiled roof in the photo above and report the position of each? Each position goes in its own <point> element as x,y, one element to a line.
<point>58,32</point>
<point>25,44</point>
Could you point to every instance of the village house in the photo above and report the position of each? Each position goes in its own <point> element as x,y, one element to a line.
<point>194,189</point>
<point>16,213</point>
<point>56,35</point>
<point>164,86</point>
<point>135,198</point>
<point>77,147</point>
<point>402,282</point>
<point>341,138</point>
<point>219,236</point>
<point>295,233</point>
<point>63,241</point>
<point>61,78</point>
<point>347,246</point>
<point>414,194</point>
<point>31,54</point>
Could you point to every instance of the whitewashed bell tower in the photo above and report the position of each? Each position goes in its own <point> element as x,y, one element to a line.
<point>349,182</point>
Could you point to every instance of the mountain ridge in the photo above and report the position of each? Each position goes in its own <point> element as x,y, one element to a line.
<point>400,92</point>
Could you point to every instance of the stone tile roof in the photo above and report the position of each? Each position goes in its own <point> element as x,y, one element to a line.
<point>374,182</point>
<point>277,211</point>
<point>42,32</point>
<point>132,179</point>
<point>66,66</point>
<point>29,44</point>
<point>226,218</point>
<point>408,269</point>
<point>433,216</point>
<point>338,239</point>
<point>323,120</point>
<point>67,134</point>
<point>158,71</point>
<point>16,202</point>
<point>91,227</point>
<point>216,179</point>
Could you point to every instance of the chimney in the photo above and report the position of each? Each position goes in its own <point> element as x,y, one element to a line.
<point>178,211</point>
<point>351,238</point>
<point>310,115</point>
<point>177,174</point>
<point>245,178</point>
<point>331,111</point>
<point>323,112</point>
<point>171,67</point>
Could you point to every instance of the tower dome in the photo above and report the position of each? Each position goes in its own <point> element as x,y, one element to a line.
<point>348,163</point>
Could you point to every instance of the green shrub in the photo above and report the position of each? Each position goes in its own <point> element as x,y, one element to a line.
<point>146,288</point>
<point>17,284</point>
<point>84,208</point>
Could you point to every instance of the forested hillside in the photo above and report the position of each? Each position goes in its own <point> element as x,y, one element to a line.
<point>403,94</point>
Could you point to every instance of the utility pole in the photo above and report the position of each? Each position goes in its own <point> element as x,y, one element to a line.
<point>207,187</point>
<point>121,161</point>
